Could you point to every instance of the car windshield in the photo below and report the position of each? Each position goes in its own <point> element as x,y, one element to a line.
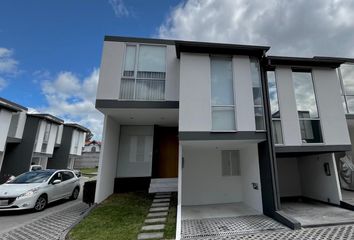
<point>32,177</point>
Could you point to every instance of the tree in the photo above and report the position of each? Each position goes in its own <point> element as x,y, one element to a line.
<point>89,136</point>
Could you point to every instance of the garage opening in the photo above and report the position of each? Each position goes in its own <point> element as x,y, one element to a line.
<point>310,191</point>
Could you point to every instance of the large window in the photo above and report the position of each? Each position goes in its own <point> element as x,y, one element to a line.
<point>346,75</point>
<point>144,73</point>
<point>274,107</point>
<point>222,94</point>
<point>257,94</point>
<point>307,108</point>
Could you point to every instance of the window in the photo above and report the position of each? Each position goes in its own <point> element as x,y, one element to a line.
<point>274,107</point>
<point>230,163</point>
<point>47,132</point>
<point>257,94</point>
<point>67,175</point>
<point>346,76</point>
<point>307,107</point>
<point>93,149</point>
<point>144,73</point>
<point>222,94</point>
<point>139,148</point>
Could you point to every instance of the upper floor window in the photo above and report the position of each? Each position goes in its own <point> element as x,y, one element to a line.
<point>257,94</point>
<point>222,94</point>
<point>346,76</point>
<point>274,107</point>
<point>144,73</point>
<point>307,107</point>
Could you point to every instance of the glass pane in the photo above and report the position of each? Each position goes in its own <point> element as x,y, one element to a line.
<point>129,65</point>
<point>256,82</point>
<point>310,131</point>
<point>223,118</point>
<point>259,115</point>
<point>152,59</point>
<point>273,95</point>
<point>221,82</point>
<point>127,89</point>
<point>150,89</point>
<point>347,72</point>
<point>277,132</point>
<point>350,102</point>
<point>305,95</point>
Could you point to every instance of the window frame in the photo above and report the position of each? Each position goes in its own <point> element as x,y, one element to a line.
<point>135,74</point>
<point>233,91</point>
<point>344,95</point>
<point>318,118</point>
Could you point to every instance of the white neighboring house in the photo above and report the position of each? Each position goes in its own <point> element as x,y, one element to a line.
<point>12,122</point>
<point>90,155</point>
<point>229,126</point>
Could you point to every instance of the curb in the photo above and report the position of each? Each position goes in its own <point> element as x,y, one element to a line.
<point>64,235</point>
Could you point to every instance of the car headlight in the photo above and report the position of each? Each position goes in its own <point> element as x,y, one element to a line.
<point>29,193</point>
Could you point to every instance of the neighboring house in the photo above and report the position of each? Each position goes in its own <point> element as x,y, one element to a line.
<point>73,139</point>
<point>12,122</point>
<point>41,134</point>
<point>233,127</point>
<point>90,155</point>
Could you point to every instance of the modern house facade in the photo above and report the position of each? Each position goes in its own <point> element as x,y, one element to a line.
<point>237,129</point>
<point>12,122</point>
<point>90,155</point>
<point>72,141</point>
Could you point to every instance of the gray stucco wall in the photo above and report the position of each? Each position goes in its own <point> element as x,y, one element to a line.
<point>87,160</point>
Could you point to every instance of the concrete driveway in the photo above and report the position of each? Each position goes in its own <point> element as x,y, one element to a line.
<point>12,220</point>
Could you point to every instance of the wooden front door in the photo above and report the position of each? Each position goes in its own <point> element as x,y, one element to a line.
<point>166,164</point>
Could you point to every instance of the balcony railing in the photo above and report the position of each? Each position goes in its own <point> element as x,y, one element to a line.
<point>142,89</point>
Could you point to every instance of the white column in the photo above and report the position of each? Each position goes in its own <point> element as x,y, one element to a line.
<point>287,106</point>
<point>179,200</point>
<point>108,160</point>
<point>5,120</point>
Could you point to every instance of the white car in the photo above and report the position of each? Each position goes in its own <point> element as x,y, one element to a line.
<point>35,189</point>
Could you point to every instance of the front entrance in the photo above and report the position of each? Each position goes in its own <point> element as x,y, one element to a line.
<point>165,158</point>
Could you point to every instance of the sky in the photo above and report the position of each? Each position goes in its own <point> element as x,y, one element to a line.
<point>50,51</point>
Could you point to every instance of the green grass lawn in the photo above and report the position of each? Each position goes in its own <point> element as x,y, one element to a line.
<point>88,170</point>
<point>121,217</point>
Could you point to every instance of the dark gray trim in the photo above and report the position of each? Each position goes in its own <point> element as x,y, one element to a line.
<point>346,60</point>
<point>14,107</point>
<point>138,40</point>
<point>313,149</point>
<point>47,116</point>
<point>219,48</point>
<point>195,136</point>
<point>288,221</point>
<point>304,62</point>
<point>102,103</point>
<point>349,116</point>
<point>346,205</point>
<point>13,140</point>
<point>77,126</point>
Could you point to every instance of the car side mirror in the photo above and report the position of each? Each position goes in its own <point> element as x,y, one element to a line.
<point>56,181</point>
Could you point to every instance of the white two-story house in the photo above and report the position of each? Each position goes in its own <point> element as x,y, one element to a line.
<point>238,131</point>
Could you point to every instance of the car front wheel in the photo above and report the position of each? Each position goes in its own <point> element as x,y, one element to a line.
<point>75,194</point>
<point>41,203</point>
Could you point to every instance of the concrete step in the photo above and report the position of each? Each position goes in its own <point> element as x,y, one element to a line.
<point>162,189</point>
<point>154,227</point>
<point>166,184</point>
<point>153,235</point>
<point>164,180</point>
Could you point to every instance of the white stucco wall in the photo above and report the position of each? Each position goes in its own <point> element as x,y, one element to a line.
<point>40,136</point>
<point>74,138</point>
<point>126,167</point>
<point>5,121</point>
<point>172,74</point>
<point>17,125</point>
<point>52,138</point>
<point>315,183</point>
<point>329,103</point>
<point>110,70</point>
<point>195,93</point>
<point>288,177</point>
<point>287,106</point>
<point>245,119</point>
<point>59,135</point>
<point>108,160</point>
<point>202,180</point>
<point>203,183</point>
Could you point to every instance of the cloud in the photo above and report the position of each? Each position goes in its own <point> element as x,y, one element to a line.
<point>73,99</point>
<point>8,66</point>
<point>296,28</point>
<point>119,8</point>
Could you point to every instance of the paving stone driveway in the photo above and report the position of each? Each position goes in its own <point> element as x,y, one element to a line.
<point>49,227</point>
